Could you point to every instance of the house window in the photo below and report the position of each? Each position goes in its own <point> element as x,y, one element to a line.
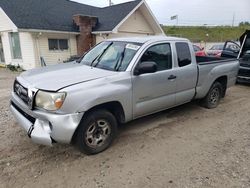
<point>15,45</point>
<point>58,44</point>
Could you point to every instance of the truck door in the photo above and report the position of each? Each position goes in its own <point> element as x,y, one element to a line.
<point>186,73</point>
<point>153,92</point>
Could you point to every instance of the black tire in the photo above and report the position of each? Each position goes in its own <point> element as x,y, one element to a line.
<point>213,96</point>
<point>96,132</point>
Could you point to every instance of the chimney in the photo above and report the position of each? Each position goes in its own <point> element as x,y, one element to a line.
<point>85,40</point>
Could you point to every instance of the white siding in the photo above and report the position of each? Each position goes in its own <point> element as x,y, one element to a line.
<point>6,47</point>
<point>28,60</point>
<point>136,23</point>
<point>51,56</point>
<point>6,26</point>
<point>140,23</point>
<point>103,37</point>
<point>28,50</point>
<point>150,18</point>
<point>99,38</point>
<point>34,45</point>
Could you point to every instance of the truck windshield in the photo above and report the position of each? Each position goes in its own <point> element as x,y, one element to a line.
<point>111,55</point>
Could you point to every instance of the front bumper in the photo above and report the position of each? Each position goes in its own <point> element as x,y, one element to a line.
<point>243,79</point>
<point>44,127</point>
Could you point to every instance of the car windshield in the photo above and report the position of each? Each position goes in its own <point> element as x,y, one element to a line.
<point>217,47</point>
<point>196,48</point>
<point>111,55</point>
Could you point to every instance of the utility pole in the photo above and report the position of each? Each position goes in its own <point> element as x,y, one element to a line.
<point>110,2</point>
<point>233,19</point>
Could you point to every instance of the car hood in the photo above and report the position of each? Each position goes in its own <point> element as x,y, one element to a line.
<point>56,77</point>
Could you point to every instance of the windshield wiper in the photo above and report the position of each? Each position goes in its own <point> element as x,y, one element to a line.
<point>98,58</point>
<point>79,60</point>
<point>119,62</point>
<point>94,60</point>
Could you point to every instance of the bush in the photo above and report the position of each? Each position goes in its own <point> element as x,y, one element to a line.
<point>14,68</point>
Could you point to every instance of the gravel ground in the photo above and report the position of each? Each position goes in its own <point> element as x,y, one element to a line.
<point>187,146</point>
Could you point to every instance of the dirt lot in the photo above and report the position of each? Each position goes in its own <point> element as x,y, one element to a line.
<point>188,146</point>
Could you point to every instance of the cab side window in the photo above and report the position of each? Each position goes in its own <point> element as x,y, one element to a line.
<point>183,54</point>
<point>160,54</point>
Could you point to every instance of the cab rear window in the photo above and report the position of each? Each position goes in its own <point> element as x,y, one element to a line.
<point>183,54</point>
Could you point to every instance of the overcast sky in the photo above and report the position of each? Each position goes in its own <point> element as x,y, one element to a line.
<point>193,12</point>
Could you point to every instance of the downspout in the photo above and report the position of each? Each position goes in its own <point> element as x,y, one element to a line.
<point>38,48</point>
<point>70,45</point>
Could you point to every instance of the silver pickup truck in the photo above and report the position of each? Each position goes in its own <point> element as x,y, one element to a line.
<point>117,81</point>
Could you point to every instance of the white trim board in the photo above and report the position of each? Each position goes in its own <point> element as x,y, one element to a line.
<point>11,26</point>
<point>47,31</point>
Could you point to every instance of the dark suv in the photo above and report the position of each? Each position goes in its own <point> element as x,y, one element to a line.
<point>244,72</point>
<point>243,53</point>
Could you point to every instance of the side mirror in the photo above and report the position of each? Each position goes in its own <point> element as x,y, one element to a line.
<point>145,67</point>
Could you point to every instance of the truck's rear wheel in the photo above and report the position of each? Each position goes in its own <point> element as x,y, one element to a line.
<point>96,132</point>
<point>213,96</point>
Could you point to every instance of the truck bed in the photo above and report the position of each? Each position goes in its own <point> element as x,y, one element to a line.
<point>210,68</point>
<point>208,59</point>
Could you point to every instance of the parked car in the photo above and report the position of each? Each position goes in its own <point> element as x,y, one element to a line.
<point>199,51</point>
<point>215,50</point>
<point>119,80</point>
<point>230,49</point>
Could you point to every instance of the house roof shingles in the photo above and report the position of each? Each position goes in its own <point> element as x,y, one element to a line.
<point>57,15</point>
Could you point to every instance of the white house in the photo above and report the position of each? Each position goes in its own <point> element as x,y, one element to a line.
<point>56,30</point>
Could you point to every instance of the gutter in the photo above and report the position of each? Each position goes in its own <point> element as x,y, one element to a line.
<point>48,31</point>
<point>102,32</point>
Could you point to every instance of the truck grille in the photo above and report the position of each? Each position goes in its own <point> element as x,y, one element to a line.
<point>30,118</point>
<point>23,93</point>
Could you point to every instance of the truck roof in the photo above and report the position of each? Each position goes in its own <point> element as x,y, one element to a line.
<point>145,39</point>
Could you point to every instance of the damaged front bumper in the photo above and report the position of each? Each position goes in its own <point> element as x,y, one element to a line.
<point>43,127</point>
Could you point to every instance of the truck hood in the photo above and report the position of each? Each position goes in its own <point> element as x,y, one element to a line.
<point>56,77</point>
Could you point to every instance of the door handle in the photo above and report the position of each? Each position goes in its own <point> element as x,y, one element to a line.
<point>172,77</point>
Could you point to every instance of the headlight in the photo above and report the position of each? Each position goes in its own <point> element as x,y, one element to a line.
<point>49,100</point>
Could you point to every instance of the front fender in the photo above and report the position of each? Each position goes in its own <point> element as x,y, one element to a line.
<point>82,97</point>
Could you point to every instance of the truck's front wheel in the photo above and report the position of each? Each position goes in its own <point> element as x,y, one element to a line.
<point>213,96</point>
<point>96,132</point>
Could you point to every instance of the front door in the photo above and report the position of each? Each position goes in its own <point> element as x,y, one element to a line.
<point>1,52</point>
<point>153,92</point>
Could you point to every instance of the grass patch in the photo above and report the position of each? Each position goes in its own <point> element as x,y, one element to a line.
<point>207,34</point>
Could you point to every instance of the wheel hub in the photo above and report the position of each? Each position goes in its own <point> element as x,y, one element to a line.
<point>97,133</point>
<point>215,94</point>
